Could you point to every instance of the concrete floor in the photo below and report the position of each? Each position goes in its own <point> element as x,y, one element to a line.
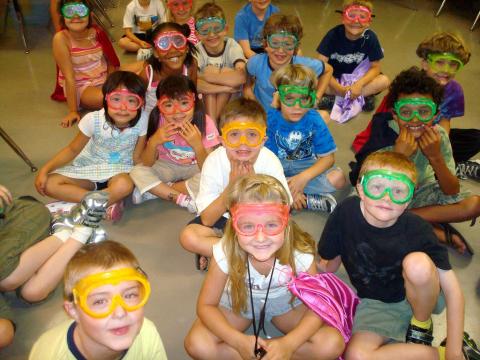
<point>151,229</point>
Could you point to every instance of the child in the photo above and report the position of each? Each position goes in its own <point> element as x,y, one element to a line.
<point>220,60</point>
<point>140,17</point>
<point>414,97</point>
<point>345,47</point>
<point>281,36</point>
<point>105,291</point>
<point>297,134</point>
<point>395,263</point>
<point>179,138</point>
<point>243,130</point>
<point>172,55</point>
<point>247,259</point>
<point>32,261</point>
<point>80,56</point>
<point>105,149</point>
<point>180,12</point>
<point>249,23</point>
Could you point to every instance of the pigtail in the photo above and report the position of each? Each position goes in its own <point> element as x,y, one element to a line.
<point>153,121</point>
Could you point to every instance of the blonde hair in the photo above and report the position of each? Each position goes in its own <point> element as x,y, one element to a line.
<point>259,188</point>
<point>367,4</point>
<point>245,108</point>
<point>389,159</point>
<point>170,17</point>
<point>294,74</point>
<point>210,9</point>
<point>91,257</point>
<point>444,42</point>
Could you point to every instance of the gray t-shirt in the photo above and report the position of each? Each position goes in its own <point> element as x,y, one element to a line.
<point>232,53</point>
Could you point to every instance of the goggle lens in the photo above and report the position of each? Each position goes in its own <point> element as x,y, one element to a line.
<point>71,10</point>
<point>398,186</point>
<point>292,95</point>
<point>248,219</point>
<point>168,106</point>
<point>445,62</point>
<point>171,38</point>
<point>123,98</point>
<point>423,109</point>
<point>357,13</point>
<point>250,134</point>
<point>282,40</point>
<point>210,25</point>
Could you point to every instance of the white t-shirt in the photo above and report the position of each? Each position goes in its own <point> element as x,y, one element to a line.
<point>87,125</point>
<point>232,53</point>
<point>141,19</point>
<point>216,174</point>
<point>281,275</point>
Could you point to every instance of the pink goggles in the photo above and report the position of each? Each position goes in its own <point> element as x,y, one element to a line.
<point>358,13</point>
<point>179,5</point>
<point>119,99</point>
<point>249,218</point>
<point>166,40</point>
<point>169,106</point>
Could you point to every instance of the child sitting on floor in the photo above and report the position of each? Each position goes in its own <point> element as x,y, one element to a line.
<point>181,12</point>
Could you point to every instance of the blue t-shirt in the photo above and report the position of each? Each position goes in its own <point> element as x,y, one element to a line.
<point>308,138</point>
<point>259,67</point>
<point>248,27</point>
<point>344,55</point>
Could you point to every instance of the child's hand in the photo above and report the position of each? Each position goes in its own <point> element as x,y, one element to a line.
<point>5,198</point>
<point>299,202</point>
<point>239,169</point>
<point>429,143</point>
<point>344,90</point>
<point>164,134</point>
<point>355,90</point>
<point>405,143</point>
<point>191,134</point>
<point>70,119</point>
<point>144,45</point>
<point>276,349</point>
<point>41,182</point>
<point>297,184</point>
<point>245,346</point>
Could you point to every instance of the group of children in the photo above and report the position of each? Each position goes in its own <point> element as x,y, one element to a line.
<point>230,130</point>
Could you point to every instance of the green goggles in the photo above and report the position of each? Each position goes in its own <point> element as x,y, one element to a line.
<point>445,62</point>
<point>209,25</point>
<point>290,95</point>
<point>422,108</point>
<point>70,10</point>
<point>398,186</point>
<point>283,40</point>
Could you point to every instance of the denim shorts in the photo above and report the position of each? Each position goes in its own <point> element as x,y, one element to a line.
<point>431,194</point>
<point>318,185</point>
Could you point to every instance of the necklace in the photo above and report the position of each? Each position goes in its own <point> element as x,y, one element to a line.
<point>259,351</point>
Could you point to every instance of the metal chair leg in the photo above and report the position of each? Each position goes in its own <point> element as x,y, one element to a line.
<point>21,24</point>
<point>441,7</point>
<point>17,149</point>
<point>102,25</point>
<point>475,22</point>
<point>101,10</point>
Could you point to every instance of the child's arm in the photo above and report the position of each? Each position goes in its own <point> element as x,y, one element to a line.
<point>324,79</point>
<point>207,88</point>
<point>445,123</point>
<point>137,152</point>
<point>248,88</point>
<point>143,44</point>
<point>455,313</point>
<point>229,77</point>
<point>333,83</point>
<point>66,155</point>
<point>247,51</point>
<point>55,16</point>
<point>324,265</point>
<point>372,73</point>
<point>163,134</point>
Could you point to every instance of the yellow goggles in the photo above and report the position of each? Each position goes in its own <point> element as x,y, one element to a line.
<point>249,133</point>
<point>99,302</point>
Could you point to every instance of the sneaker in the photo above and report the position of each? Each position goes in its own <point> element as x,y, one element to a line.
<point>369,103</point>
<point>187,202</point>
<point>321,202</point>
<point>468,169</point>
<point>138,197</point>
<point>469,347</point>
<point>326,102</point>
<point>144,54</point>
<point>418,335</point>
<point>115,211</point>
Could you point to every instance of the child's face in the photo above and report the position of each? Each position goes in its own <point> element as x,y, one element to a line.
<point>260,5</point>
<point>181,9</point>
<point>243,139</point>
<point>144,3</point>
<point>414,112</point>
<point>211,32</point>
<point>260,228</point>
<point>385,195</point>
<point>76,16</point>
<point>116,306</point>
<point>295,101</point>
<point>442,67</point>
<point>178,110</point>
<point>280,48</point>
<point>171,49</point>
<point>123,105</point>
<point>356,20</point>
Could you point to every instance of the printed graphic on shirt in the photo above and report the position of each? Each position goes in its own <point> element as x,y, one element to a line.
<point>180,154</point>
<point>348,58</point>
<point>296,146</point>
<point>145,23</point>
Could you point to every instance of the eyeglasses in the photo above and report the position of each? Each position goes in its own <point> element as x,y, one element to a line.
<point>445,62</point>
<point>358,13</point>
<point>99,302</point>
<point>124,98</point>
<point>290,95</point>
<point>209,25</point>
<point>422,108</point>
<point>245,218</point>
<point>179,5</point>
<point>377,183</point>
<point>70,10</point>
<point>283,40</point>
<point>169,106</point>
<point>166,40</point>
<point>249,133</point>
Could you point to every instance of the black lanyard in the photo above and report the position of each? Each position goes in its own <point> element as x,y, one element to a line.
<point>259,352</point>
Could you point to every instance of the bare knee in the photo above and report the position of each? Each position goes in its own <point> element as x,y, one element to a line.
<point>7,333</point>
<point>189,237</point>
<point>418,268</point>
<point>331,345</point>
<point>357,353</point>
<point>337,179</point>
<point>121,185</point>
<point>471,206</point>
<point>198,344</point>
<point>34,294</point>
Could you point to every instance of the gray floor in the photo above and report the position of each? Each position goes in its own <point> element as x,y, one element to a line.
<point>151,229</point>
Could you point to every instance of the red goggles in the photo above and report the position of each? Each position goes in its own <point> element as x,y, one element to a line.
<point>119,99</point>
<point>169,106</point>
<point>358,13</point>
<point>165,41</point>
<point>179,5</point>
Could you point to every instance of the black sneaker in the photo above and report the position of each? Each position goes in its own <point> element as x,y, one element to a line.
<point>321,202</point>
<point>468,169</point>
<point>326,102</point>
<point>369,103</point>
<point>418,335</point>
<point>469,347</point>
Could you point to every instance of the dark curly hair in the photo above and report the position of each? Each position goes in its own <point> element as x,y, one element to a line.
<point>414,80</point>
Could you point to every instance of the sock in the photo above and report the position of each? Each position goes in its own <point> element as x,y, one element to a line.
<point>63,234</point>
<point>81,233</point>
<point>441,352</point>
<point>421,324</point>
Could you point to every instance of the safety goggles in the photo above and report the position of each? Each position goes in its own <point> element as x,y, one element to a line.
<point>398,186</point>
<point>94,298</point>
<point>290,95</point>
<point>422,108</point>
<point>166,40</point>
<point>70,10</point>
<point>119,99</point>
<point>283,40</point>
<point>179,5</point>
<point>445,62</point>
<point>358,13</point>
<point>209,25</point>
<point>248,219</point>
<point>169,106</point>
<point>249,133</point>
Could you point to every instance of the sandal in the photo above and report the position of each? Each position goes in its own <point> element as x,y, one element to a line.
<point>198,262</point>
<point>449,230</point>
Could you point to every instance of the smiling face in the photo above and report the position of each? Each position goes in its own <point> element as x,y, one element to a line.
<point>180,9</point>
<point>211,32</point>
<point>246,137</point>
<point>415,126</point>
<point>356,20</point>
<point>171,49</point>
<point>280,48</point>
<point>441,70</point>
<point>76,16</point>
<point>122,106</point>
<point>178,110</point>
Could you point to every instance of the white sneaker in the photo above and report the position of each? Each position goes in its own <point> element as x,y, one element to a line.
<point>321,202</point>
<point>144,54</point>
<point>187,202</point>
<point>138,198</point>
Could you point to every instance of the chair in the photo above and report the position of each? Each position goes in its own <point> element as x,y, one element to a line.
<point>20,20</point>
<point>17,149</point>
<point>443,4</point>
